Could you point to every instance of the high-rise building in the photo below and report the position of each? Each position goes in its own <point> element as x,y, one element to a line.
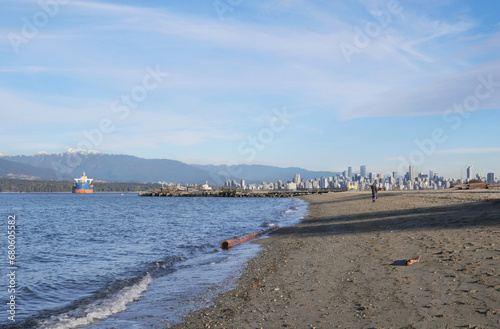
<point>323,182</point>
<point>296,179</point>
<point>362,171</point>
<point>490,178</point>
<point>349,172</point>
<point>431,175</point>
<point>411,173</point>
<point>469,173</point>
<point>395,174</point>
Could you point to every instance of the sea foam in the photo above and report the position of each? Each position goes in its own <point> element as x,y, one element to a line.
<point>99,309</point>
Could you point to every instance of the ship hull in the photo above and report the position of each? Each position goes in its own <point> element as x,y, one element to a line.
<point>80,190</point>
<point>83,188</point>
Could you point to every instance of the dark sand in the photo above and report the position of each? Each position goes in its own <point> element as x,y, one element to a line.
<point>344,266</point>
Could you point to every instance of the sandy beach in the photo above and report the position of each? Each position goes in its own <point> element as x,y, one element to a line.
<point>343,266</point>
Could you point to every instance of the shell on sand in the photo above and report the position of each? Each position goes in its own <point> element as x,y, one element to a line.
<point>413,260</point>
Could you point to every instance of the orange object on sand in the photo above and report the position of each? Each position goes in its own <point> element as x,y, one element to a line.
<point>226,244</point>
<point>413,260</point>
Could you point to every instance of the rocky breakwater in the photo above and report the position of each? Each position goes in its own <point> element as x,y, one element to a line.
<point>233,193</point>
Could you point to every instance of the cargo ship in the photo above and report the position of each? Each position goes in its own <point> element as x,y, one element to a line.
<point>83,185</point>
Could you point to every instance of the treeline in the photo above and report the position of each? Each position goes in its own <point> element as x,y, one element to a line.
<point>124,187</point>
<point>29,186</point>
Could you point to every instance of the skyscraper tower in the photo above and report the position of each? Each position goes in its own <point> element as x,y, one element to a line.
<point>296,179</point>
<point>411,171</point>
<point>349,172</point>
<point>362,171</point>
<point>469,173</point>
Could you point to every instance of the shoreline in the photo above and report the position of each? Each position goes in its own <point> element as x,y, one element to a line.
<point>342,266</point>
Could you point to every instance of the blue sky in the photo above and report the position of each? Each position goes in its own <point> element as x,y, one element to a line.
<point>321,85</point>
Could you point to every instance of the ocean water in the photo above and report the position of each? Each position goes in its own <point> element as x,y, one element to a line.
<point>123,261</point>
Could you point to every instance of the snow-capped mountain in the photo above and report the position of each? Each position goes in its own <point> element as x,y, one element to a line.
<point>112,167</point>
<point>127,168</point>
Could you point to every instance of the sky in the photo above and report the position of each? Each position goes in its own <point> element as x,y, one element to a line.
<point>316,84</point>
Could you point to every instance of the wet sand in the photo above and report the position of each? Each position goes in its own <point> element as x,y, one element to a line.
<point>343,266</point>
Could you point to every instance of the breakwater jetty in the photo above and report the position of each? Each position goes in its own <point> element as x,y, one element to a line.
<point>478,186</point>
<point>235,193</point>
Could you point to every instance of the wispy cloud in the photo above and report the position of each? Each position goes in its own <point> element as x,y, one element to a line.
<point>430,97</point>
<point>483,150</point>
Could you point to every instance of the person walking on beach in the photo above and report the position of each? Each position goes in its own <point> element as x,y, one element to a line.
<point>374,192</point>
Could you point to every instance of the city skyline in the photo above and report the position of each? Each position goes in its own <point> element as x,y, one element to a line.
<point>462,175</point>
<point>409,181</point>
<point>321,86</point>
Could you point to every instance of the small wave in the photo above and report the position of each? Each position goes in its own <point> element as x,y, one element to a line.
<point>268,225</point>
<point>194,249</point>
<point>168,261</point>
<point>297,210</point>
<point>99,309</point>
<point>217,261</point>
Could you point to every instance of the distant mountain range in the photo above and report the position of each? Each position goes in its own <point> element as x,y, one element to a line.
<point>126,168</point>
<point>13,169</point>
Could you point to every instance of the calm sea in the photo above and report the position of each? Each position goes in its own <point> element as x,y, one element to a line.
<point>123,261</point>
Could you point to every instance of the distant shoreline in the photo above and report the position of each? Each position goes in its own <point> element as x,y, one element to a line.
<point>117,192</point>
<point>46,186</point>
